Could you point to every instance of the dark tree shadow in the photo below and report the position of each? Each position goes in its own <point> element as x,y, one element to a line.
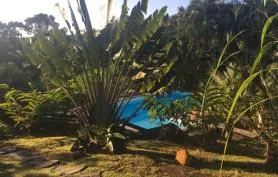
<point>6,170</point>
<point>236,148</point>
<point>25,157</point>
<point>228,165</point>
<point>245,147</point>
<point>36,175</point>
<point>156,156</point>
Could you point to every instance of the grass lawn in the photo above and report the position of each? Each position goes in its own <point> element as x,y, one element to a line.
<point>143,158</point>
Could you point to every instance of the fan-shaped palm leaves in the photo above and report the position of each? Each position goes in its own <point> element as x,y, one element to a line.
<point>95,68</point>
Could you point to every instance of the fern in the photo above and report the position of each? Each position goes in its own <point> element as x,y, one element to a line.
<point>25,108</point>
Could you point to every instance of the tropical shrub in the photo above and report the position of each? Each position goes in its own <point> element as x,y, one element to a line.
<point>220,92</point>
<point>210,103</point>
<point>97,70</point>
<point>15,70</point>
<point>26,108</point>
<point>200,29</point>
<point>5,130</point>
<point>263,97</point>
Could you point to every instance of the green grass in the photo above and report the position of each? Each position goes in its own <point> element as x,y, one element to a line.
<point>143,158</point>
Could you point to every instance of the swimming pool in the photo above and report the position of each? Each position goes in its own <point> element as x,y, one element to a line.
<point>142,119</point>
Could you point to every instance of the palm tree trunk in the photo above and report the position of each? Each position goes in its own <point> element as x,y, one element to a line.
<point>109,10</point>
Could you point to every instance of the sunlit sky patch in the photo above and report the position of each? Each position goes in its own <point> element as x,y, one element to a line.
<point>19,10</point>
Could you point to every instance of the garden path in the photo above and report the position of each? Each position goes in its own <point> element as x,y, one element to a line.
<point>35,160</point>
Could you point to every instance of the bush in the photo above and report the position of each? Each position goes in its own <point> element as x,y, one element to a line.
<point>26,108</point>
<point>5,130</point>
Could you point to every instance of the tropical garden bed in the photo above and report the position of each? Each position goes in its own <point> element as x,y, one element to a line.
<point>143,158</point>
<point>82,82</point>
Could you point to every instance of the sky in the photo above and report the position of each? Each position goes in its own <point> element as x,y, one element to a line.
<point>19,10</point>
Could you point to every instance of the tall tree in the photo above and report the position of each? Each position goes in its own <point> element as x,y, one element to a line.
<point>40,22</point>
<point>201,31</point>
<point>15,70</point>
<point>109,10</point>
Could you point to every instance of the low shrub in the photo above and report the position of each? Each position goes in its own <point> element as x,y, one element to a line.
<point>5,130</point>
<point>26,108</point>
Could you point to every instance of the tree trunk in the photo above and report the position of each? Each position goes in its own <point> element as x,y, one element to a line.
<point>109,10</point>
<point>267,148</point>
<point>271,156</point>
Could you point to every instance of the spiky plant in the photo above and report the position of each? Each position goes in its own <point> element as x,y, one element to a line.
<point>96,68</point>
<point>256,77</point>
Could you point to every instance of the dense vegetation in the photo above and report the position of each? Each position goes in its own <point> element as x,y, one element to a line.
<point>224,53</point>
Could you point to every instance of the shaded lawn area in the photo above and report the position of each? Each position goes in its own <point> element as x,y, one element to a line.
<point>143,158</point>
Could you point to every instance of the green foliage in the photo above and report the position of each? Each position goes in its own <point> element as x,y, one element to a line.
<point>257,70</point>
<point>111,139</point>
<point>5,130</point>
<point>25,108</point>
<point>218,91</point>
<point>4,86</point>
<point>100,71</point>
<point>200,30</point>
<point>254,71</point>
<point>39,22</point>
<point>96,70</point>
<point>177,111</point>
<point>216,95</point>
<point>190,113</point>
<point>14,69</point>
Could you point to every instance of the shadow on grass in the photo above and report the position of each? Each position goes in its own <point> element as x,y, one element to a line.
<point>158,157</point>
<point>7,170</point>
<point>36,175</point>
<point>64,156</point>
<point>19,161</point>
<point>251,167</point>
<point>200,164</point>
<point>245,147</point>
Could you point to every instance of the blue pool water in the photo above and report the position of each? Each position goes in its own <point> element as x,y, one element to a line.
<point>141,119</point>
